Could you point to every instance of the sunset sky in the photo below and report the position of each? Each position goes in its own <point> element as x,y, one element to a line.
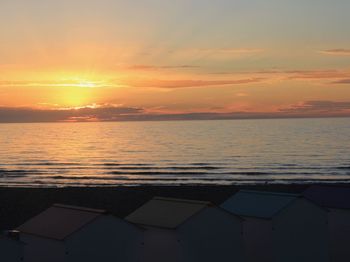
<point>87,60</point>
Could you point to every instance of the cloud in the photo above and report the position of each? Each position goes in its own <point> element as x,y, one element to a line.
<point>308,74</point>
<point>339,76</point>
<point>316,74</point>
<point>173,84</point>
<point>342,76</point>
<point>136,82</point>
<point>89,113</point>
<point>231,51</point>
<point>338,52</point>
<point>215,53</point>
<point>342,81</point>
<point>246,77</point>
<point>76,83</point>
<point>319,107</point>
<point>154,67</point>
<point>110,113</point>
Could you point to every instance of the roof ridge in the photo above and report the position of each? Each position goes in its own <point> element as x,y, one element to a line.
<point>79,208</point>
<point>183,200</point>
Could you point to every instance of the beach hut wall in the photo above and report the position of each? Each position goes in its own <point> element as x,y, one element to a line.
<point>185,230</point>
<point>281,227</point>
<point>66,233</point>
<point>337,201</point>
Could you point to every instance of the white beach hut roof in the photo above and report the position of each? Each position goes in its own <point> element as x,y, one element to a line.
<point>166,212</point>
<point>59,221</point>
<point>257,203</point>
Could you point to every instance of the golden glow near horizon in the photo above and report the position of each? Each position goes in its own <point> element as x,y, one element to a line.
<point>167,57</point>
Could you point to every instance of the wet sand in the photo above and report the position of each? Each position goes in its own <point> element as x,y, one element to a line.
<point>19,204</point>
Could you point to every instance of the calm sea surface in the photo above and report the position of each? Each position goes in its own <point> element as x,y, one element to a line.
<point>183,152</point>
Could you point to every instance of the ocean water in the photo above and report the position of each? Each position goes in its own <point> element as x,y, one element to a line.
<point>175,152</point>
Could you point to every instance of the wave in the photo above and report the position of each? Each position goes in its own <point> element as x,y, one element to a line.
<point>17,173</point>
<point>155,181</point>
<point>122,164</point>
<point>52,173</point>
<point>48,164</point>
<point>343,167</point>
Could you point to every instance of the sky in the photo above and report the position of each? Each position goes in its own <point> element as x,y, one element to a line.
<point>105,60</point>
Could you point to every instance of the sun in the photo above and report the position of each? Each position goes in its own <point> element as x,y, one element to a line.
<point>73,89</point>
<point>74,97</point>
<point>78,91</point>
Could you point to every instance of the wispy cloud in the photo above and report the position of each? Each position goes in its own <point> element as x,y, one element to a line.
<point>338,76</point>
<point>230,51</point>
<point>155,67</point>
<point>317,74</point>
<point>342,81</point>
<point>33,83</point>
<point>137,81</point>
<point>215,53</point>
<point>319,107</point>
<point>335,76</point>
<point>88,113</point>
<point>123,113</point>
<point>189,83</point>
<point>338,52</point>
<point>194,80</point>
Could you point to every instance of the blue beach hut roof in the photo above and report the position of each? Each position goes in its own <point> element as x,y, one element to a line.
<point>258,203</point>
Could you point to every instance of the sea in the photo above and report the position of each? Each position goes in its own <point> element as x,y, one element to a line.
<point>215,152</point>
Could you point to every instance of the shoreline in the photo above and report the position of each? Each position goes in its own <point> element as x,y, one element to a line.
<point>18,204</point>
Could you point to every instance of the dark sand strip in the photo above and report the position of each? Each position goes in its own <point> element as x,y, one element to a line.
<point>19,204</point>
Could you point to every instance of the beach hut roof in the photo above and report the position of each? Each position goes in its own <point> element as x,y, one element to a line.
<point>59,221</point>
<point>257,203</point>
<point>328,196</point>
<point>166,212</point>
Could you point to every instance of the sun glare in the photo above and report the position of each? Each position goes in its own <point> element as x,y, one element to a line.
<point>87,84</point>
<point>80,83</point>
<point>84,80</point>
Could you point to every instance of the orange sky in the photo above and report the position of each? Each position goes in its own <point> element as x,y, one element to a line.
<point>163,57</point>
